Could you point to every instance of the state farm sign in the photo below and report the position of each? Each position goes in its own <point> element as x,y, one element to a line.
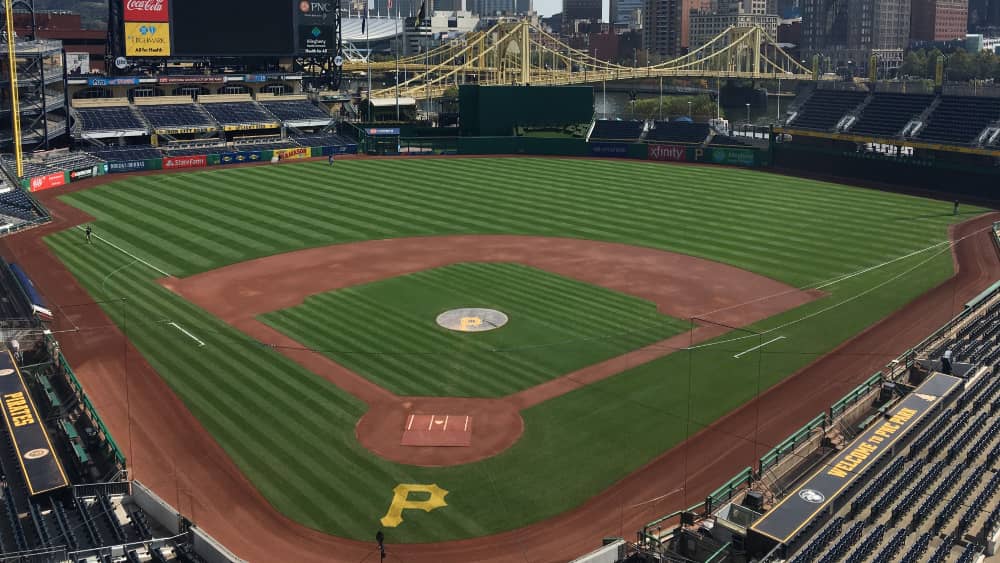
<point>673,153</point>
<point>185,162</point>
<point>146,11</point>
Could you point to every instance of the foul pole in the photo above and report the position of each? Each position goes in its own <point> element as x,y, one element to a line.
<point>15,104</point>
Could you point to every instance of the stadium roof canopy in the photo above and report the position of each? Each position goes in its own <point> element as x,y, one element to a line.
<point>378,29</point>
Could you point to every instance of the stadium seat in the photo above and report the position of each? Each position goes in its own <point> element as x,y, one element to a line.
<point>246,114</point>
<point>960,119</point>
<point>295,110</point>
<point>94,120</point>
<point>887,114</point>
<point>613,130</point>
<point>176,116</point>
<point>823,109</point>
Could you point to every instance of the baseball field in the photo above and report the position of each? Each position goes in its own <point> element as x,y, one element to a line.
<point>284,304</point>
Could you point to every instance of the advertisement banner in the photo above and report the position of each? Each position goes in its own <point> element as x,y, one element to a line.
<point>314,25</point>
<point>667,153</point>
<point>82,173</point>
<point>147,11</point>
<point>382,131</point>
<point>250,127</point>
<point>240,157</point>
<point>112,81</point>
<point>178,131</point>
<point>48,181</point>
<point>609,149</point>
<point>78,63</point>
<point>291,154</point>
<point>190,79</point>
<point>177,162</point>
<point>145,39</point>
<point>117,166</point>
<point>731,157</point>
<point>338,149</point>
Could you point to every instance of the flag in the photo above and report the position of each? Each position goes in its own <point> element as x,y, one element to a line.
<point>420,14</point>
<point>390,6</point>
<point>364,21</point>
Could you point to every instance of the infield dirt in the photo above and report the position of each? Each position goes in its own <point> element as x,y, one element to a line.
<point>171,452</point>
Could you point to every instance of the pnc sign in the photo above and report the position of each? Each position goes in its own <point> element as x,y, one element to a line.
<point>146,11</point>
<point>314,7</point>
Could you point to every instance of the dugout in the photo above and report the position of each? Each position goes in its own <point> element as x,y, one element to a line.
<point>498,110</point>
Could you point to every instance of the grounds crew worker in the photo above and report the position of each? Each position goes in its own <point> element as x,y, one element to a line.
<point>87,231</point>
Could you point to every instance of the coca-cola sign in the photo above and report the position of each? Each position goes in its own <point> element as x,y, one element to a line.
<point>146,11</point>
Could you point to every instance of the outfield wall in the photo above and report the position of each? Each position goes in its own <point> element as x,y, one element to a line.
<point>56,179</point>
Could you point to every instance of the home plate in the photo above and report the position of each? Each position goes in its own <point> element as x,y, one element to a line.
<point>437,430</point>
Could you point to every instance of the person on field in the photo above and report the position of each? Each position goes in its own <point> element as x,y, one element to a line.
<point>330,159</point>
<point>954,211</point>
<point>88,231</point>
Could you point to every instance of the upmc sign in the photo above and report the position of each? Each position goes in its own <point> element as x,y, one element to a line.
<point>672,153</point>
<point>146,11</point>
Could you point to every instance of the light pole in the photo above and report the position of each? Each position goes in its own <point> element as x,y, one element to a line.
<point>777,118</point>
<point>748,113</point>
<point>689,110</point>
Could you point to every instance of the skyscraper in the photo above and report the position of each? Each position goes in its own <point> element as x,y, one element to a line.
<point>849,31</point>
<point>938,20</point>
<point>627,12</point>
<point>589,10</point>
<point>665,27</point>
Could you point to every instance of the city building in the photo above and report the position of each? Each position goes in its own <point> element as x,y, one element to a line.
<point>984,17</point>
<point>665,27</point>
<point>704,27</point>
<point>938,20</point>
<point>628,12</point>
<point>847,32</point>
<point>976,42</point>
<point>85,48</point>
<point>589,10</point>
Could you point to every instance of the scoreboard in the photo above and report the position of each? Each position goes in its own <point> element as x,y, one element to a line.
<point>216,28</point>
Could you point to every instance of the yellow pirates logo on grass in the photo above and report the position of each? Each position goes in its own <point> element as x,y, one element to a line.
<point>472,319</point>
<point>401,501</point>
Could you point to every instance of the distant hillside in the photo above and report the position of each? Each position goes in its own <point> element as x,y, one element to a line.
<point>94,12</point>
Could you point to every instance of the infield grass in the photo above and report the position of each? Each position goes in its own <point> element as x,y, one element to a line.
<point>386,330</point>
<point>310,466</point>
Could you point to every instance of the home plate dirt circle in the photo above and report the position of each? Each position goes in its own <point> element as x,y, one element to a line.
<point>472,319</point>
<point>439,431</point>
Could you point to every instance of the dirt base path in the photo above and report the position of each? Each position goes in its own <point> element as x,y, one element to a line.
<point>171,452</point>
<point>681,286</point>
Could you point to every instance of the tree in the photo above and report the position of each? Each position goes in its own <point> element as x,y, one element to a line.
<point>960,66</point>
<point>915,64</point>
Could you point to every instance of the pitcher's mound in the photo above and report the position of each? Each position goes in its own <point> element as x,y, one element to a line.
<point>472,319</point>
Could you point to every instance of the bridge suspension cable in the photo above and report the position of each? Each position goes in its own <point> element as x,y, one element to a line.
<point>521,53</point>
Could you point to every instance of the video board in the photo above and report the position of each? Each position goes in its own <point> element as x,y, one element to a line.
<point>219,28</point>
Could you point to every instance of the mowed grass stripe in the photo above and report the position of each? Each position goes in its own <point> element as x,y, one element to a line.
<point>796,231</point>
<point>422,358</point>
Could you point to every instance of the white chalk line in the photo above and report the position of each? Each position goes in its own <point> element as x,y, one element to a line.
<point>759,346</point>
<point>191,336</point>
<point>661,497</point>
<point>835,305</point>
<point>123,251</point>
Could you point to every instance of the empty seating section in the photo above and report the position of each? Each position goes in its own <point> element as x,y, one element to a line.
<point>891,548</point>
<point>16,203</point>
<point>612,130</point>
<point>844,543</point>
<point>265,145</point>
<point>31,169</point>
<point>824,109</point>
<point>127,152</point>
<point>295,110</point>
<point>176,116</point>
<point>727,141</point>
<point>887,114</point>
<point>109,119</point>
<point>238,113</point>
<point>818,543</point>
<point>323,140</point>
<point>678,132</point>
<point>960,119</point>
<point>71,161</point>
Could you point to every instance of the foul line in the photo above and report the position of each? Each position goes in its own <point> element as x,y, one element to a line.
<point>758,346</point>
<point>123,251</point>
<point>191,336</point>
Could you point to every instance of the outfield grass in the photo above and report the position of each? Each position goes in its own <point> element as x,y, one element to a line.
<point>793,230</point>
<point>386,330</point>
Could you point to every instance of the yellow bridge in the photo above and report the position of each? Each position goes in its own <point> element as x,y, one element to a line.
<point>521,53</point>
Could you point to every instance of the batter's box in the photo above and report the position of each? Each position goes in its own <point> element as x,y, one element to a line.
<point>437,430</point>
